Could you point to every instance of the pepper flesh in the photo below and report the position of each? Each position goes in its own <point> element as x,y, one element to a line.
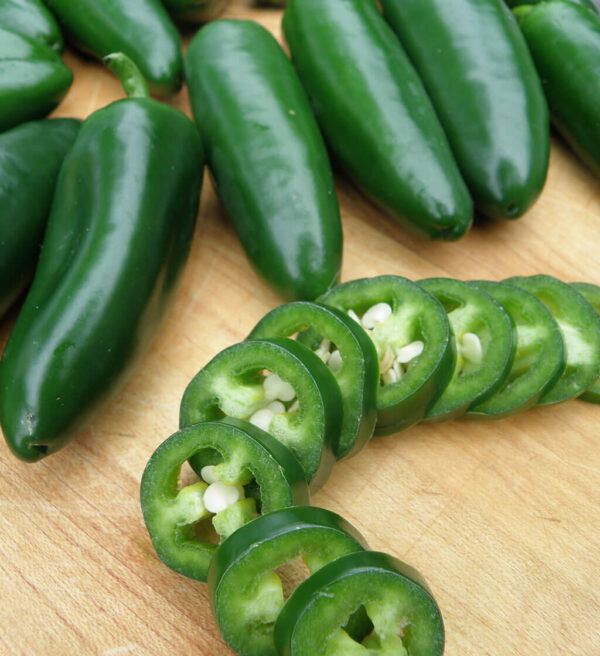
<point>591,293</point>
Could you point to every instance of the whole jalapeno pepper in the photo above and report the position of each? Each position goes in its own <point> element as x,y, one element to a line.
<point>404,617</point>
<point>483,84</point>
<point>280,386</point>
<point>251,472</point>
<point>118,236</point>
<point>564,41</point>
<point>361,83</point>
<point>267,156</point>
<point>33,79</point>
<point>30,17</point>
<point>194,11</point>
<point>246,593</point>
<point>588,4</point>
<point>30,158</point>
<point>591,293</point>
<point>141,29</point>
<point>347,350</point>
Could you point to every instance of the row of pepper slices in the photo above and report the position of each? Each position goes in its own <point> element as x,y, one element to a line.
<point>266,419</point>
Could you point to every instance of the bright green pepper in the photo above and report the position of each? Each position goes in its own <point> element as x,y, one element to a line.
<point>375,114</point>
<point>483,84</point>
<point>591,293</point>
<point>267,156</point>
<point>404,618</point>
<point>194,11</point>
<point>241,455</point>
<point>118,236</point>
<point>30,158</point>
<point>588,4</point>
<point>33,79</point>
<point>30,17</point>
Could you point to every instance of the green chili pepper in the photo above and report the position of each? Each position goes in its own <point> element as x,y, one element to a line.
<point>480,77</point>
<point>194,11</point>
<point>375,114</point>
<point>539,358</point>
<point>591,293</point>
<point>245,592</point>
<point>30,17</point>
<point>564,40</point>
<point>485,343</point>
<point>413,339</point>
<point>142,29</point>
<point>347,350</point>
<point>33,79</point>
<point>260,473</point>
<point>267,156</point>
<point>118,237</point>
<point>588,4</point>
<point>299,403</point>
<point>30,158</point>
<point>405,620</point>
<point>579,326</point>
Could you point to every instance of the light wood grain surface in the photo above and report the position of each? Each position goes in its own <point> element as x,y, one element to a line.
<point>502,519</point>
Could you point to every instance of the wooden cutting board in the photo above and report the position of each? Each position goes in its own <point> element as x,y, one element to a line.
<point>503,519</point>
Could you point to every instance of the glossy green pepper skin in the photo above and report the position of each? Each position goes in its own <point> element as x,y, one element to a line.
<point>376,116</point>
<point>118,237</point>
<point>194,11</point>
<point>142,29</point>
<point>30,17</point>
<point>33,79</point>
<point>588,4</point>
<point>267,156</point>
<point>484,87</point>
<point>564,40</point>
<point>30,158</point>
<point>591,293</point>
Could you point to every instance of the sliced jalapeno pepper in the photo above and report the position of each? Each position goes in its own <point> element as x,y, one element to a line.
<point>30,17</point>
<point>539,358</point>
<point>299,402</point>
<point>347,350</point>
<point>412,336</point>
<point>250,472</point>
<point>246,593</point>
<point>591,293</point>
<point>484,336</point>
<point>579,326</point>
<point>405,619</point>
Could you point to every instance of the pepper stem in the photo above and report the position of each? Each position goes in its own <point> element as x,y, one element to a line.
<point>522,11</point>
<point>128,73</point>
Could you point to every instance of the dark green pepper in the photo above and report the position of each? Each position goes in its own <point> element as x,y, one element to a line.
<point>484,87</point>
<point>194,11</point>
<point>33,79</point>
<point>591,293</point>
<point>375,114</point>
<point>404,618</point>
<point>30,158</point>
<point>30,17</point>
<point>267,156</point>
<point>118,236</point>
<point>142,29</point>
<point>588,4</point>
<point>246,462</point>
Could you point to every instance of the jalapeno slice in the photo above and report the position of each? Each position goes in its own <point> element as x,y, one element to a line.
<point>412,336</point>
<point>539,357</point>
<point>250,472</point>
<point>591,293</point>
<point>405,618</point>
<point>348,352</point>
<point>246,593</point>
<point>579,326</point>
<point>278,385</point>
<point>483,334</point>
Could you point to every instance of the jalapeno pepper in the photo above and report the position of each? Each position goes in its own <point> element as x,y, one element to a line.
<point>30,17</point>
<point>539,358</point>
<point>588,4</point>
<point>579,326</point>
<point>267,156</point>
<point>250,472</point>
<point>33,79</point>
<point>484,87</point>
<point>412,336</point>
<point>404,616</point>
<point>591,293</point>
<point>564,40</point>
<point>118,236</point>
<point>298,402</point>
<point>485,343</point>
<point>30,158</point>
<point>398,153</point>
<point>347,350</point>
<point>245,592</point>
<point>194,11</point>
<point>141,29</point>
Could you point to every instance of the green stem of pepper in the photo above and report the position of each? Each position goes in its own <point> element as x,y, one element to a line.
<point>128,73</point>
